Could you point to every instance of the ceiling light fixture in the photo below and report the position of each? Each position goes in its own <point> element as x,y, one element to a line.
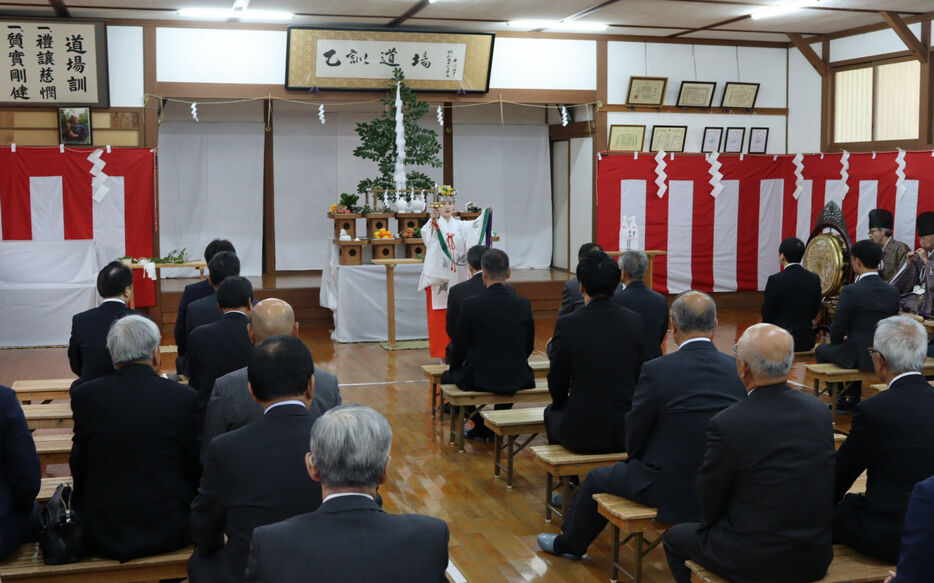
<point>229,13</point>
<point>569,25</point>
<point>241,4</point>
<point>786,7</point>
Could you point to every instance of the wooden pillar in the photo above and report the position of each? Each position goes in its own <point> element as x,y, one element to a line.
<point>925,136</point>
<point>599,124</point>
<point>269,201</point>
<point>826,100</point>
<point>448,144</point>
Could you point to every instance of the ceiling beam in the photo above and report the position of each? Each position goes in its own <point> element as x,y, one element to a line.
<point>901,29</point>
<point>710,26</point>
<point>60,9</point>
<point>418,7</point>
<point>808,53</point>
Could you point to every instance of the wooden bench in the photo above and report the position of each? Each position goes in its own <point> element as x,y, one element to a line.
<point>838,439</point>
<point>882,386</point>
<point>50,416</point>
<point>53,449</point>
<point>832,377</point>
<point>48,486</point>
<point>635,519</point>
<point>460,400</point>
<point>561,463</point>
<point>805,356</point>
<point>510,424</point>
<point>433,373</point>
<point>25,566</point>
<point>847,566</point>
<point>44,390</point>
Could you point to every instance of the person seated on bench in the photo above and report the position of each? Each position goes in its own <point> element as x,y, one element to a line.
<point>350,538</point>
<point>676,396</point>
<point>860,307</point>
<point>915,562</point>
<point>232,406</point>
<point>793,295</point>
<point>20,478</point>
<point>595,355</point>
<point>891,438</point>
<point>648,303</point>
<point>192,293</point>
<point>135,454</point>
<point>495,336</point>
<point>571,297</point>
<point>87,347</point>
<point>224,264</point>
<point>766,484</point>
<point>463,290</point>
<point>256,475</point>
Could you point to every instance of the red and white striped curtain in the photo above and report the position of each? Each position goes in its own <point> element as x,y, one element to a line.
<point>721,218</point>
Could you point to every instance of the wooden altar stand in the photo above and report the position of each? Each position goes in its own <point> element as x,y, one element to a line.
<point>391,293</point>
<point>199,265</point>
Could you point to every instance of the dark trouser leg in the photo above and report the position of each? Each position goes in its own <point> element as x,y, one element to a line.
<point>18,528</point>
<point>868,533</point>
<point>682,543</point>
<point>552,422</point>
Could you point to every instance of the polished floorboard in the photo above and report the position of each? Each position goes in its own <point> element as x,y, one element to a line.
<point>493,528</point>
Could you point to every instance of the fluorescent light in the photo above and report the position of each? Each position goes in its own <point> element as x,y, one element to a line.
<point>251,14</point>
<point>209,13</point>
<point>229,13</point>
<point>786,7</point>
<point>572,25</point>
<point>241,4</point>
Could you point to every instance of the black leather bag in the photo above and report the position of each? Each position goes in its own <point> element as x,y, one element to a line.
<point>62,536</point>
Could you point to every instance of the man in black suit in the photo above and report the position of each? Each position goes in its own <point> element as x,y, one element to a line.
<point>256,475</point>
<point>193,292</point>
<point>464,290</point>
<point>495,336</point>
<point>87,347</point>
<point>648,303</point>
<point>915,561</point>
<point>224,346</point>
<point>135,454</point>
<point>20,478</point>
<point>793,295</point>
<point>232,406</point>
<point>891,439</point>
<point>571,297</point>
<point>596,353</point>
<point>860,307</point>
<point>350,538</point>
<point>766,484</point>
<point>205,311</point>
<point>676,396</point>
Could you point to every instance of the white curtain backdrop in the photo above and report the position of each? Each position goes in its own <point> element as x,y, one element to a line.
<point>211,186</point>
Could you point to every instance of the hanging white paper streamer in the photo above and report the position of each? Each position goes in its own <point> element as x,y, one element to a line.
<point>564,116</point>
<point>798,161</point>
<point>845,172</point>
<point>149,268</point>
<point>194,111</point>
<point>321,113</point>
<point>98,178</point>
<point>440,116</point>
<point>716,176</point>
<point>900,164</point>
<point>660,166</point>
<point>399,175</point>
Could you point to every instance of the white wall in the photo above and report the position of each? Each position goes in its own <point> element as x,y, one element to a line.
<point>125,65</point>
<point>869,44</point>
<point>525,63</point>
<point>581,197</point>
<point>804,105</point>
<point>200,55</point>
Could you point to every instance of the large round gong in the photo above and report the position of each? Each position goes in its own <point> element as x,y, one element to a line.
<point>826,255</point>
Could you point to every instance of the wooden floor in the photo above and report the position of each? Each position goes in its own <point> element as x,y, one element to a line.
<point>493,528</point>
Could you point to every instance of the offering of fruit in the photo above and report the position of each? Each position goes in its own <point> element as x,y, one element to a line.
<point>408,233</point>
<point>383,234</point>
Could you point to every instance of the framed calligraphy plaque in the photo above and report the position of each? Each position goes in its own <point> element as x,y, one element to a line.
<point>626,138</point>
<point>668,138</point>
<point>696,94</point>
<point>646,90</point>
<point>365,59</point>
<point>53,62</point>
<point>740,95</point>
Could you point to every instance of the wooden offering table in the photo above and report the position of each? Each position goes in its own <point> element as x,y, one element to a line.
<point>391,292</point>
<point>199,265</point>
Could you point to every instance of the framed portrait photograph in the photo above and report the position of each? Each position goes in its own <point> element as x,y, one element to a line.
<point>646,90</point>
<point>734,140</point>
<point>74,126</point>
<point>626,138</point>
<point>758,140</point>
<point>696,93</point>
<point>742,95</point>
<point>668,138</point>
<point>712,139</point>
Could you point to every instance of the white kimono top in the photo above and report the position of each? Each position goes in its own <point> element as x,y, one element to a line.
<point>446,254</point>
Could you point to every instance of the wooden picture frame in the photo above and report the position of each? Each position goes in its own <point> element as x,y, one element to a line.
<point>758,140</point>
<point>696,93</point>
<point>740,95</point>
<point>668,138</point>
<point>646,91</point>
<point>713,137</point>
<point>734,140</point>
<point>74,126</point>
<point>626,138</point>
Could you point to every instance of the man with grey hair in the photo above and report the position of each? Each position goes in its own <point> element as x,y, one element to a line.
<point>350,538</point>
<point>643,300</point>
<point>767,477</point>
<point>134,456</point>
<point>891,439</point>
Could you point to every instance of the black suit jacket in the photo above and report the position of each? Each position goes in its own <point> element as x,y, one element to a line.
<point>766,486</point>
<point>861,306</point>
<point>792,301</point>
<point>215,350</point>
<point>596,353</point>
<point>134,461</point>
<point>253,476</point>
<point>20,472</point>
<point>456,297</point>
<point>890,437</point>
<point>571,297</point>
<point>350,539</point>
<point>675,398</point>
<point>87,347</point>
<point>915,562</point>
<point>200,312</point>
<point>494,338</point>
<point>193,291</point>
<point>653,307</point>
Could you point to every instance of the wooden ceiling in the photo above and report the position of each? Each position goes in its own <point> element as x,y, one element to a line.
<point>687,19</point>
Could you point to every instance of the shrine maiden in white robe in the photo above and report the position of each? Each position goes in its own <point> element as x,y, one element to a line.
<point>446,253</point>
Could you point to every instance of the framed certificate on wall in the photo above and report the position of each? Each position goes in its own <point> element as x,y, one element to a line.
<point>626,138</point>
<point>696,93</point>
<point>734,140</point>
<point>741,95</point>
<point>712,138</point>
<point>646,90</point>
<point>758,140</point>
<point>668,138</point>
